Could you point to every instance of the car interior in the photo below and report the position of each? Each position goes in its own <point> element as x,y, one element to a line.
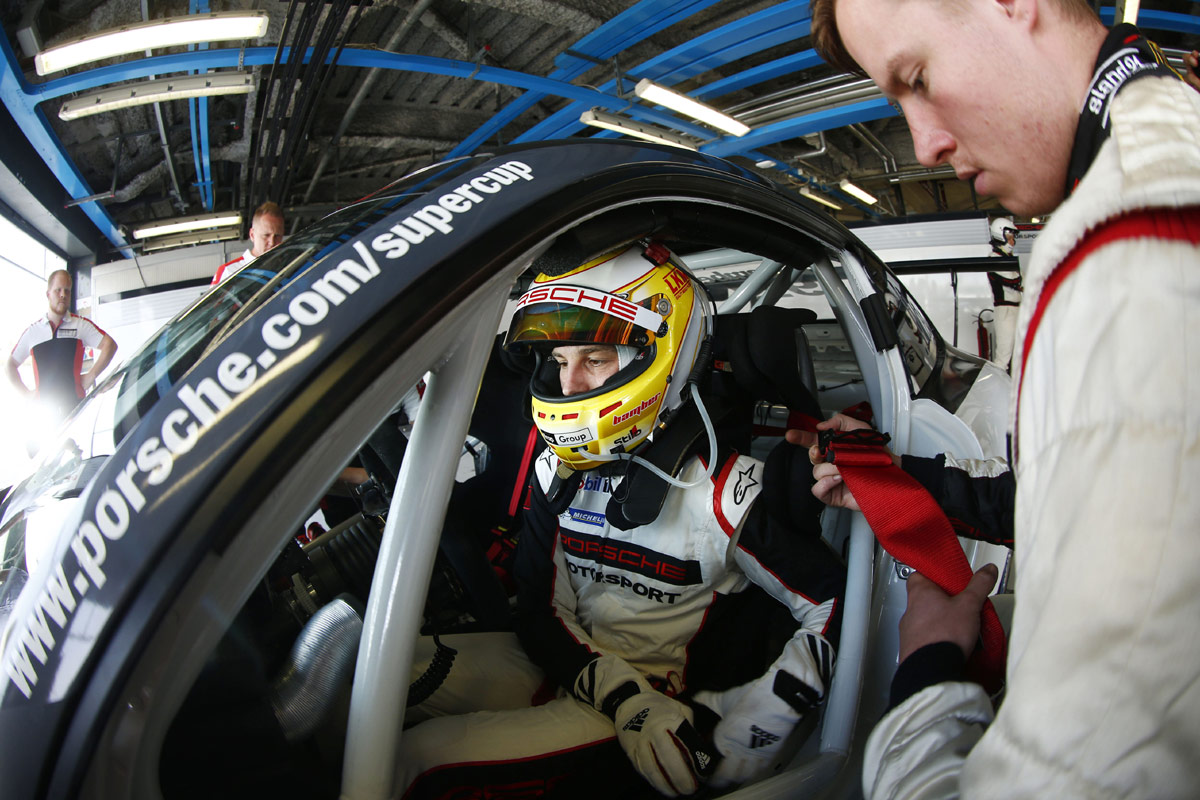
<point>269,709</point>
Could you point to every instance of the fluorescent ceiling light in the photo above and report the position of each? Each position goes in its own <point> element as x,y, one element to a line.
<point>142,92</point>
<point>651,92</point>
<point>185,239</point>
<point>631,127</point>
<point>852,190</point>
<point>184,224</point>
<point>810,194</point>
<point>168,32</point>
<point>1131,11</point>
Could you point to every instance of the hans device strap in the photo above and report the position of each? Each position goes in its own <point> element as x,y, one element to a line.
<point>1124,57</point>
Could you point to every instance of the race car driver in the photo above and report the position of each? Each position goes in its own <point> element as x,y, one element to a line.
<point>631,663</point>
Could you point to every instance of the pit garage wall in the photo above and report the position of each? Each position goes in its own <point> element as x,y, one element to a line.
<point>131,299</point>
<point>899,243</point>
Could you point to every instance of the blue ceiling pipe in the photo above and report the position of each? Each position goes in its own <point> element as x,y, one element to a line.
<point>199,112</point>
<point>1149,20</point>
<point>349,57</point>
<point>621,32</point>
<point>773,26</point>
<point>787,65</point>
<point>778,24</point>
<point>863,111</point>
<point>22,105</point>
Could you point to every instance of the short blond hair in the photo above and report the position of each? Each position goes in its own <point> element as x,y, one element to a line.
<point>267,209</point>
<point>827,40</point>
<point>50,278</point>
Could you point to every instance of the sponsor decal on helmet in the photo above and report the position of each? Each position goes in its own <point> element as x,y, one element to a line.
<point>633,433</point>
<point>637,410</point>
<point>678,281</point>
<point>570,438</point>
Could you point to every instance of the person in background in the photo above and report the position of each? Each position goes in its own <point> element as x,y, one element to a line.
<point>56,343</point>
<point>1103,672</point>
<point>266,231</point>
<point>1006,292</point>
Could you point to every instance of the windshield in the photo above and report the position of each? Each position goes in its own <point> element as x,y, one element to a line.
<point>31,515</point>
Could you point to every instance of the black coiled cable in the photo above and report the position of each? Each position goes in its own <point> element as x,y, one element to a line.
<point>423,687</point>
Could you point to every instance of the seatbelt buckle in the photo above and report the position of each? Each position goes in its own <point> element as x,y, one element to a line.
<point>828,441</point>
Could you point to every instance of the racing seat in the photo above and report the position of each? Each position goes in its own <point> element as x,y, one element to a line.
<point>760,356</point>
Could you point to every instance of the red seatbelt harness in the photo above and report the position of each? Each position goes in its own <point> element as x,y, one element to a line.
<point>912,527</point>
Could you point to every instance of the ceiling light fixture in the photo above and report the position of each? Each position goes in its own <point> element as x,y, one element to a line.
<point>185,239</point>
<point>811,195</point>
<point>136,94</point>
<point>631,127</point>
<point>852,190</point>
<point>168,32</point>
<point>1130,11</point>
<point>184,224</point>
<point>651,92</point>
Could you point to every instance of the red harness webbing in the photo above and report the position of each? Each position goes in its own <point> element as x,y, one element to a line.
<point>912,527</point>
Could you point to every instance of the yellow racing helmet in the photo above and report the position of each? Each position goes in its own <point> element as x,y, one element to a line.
<point>639,299</point>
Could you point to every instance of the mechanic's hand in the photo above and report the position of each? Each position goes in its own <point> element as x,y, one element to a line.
<point>656,733</point>
<point>933,616</point>
<point>1191,61</point>
<point>838,422</point>
<point>829,488</point>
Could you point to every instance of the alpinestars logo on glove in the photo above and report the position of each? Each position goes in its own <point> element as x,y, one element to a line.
<point>637,721</point>
<point>761,738</point>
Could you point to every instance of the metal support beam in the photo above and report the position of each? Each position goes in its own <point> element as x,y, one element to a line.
<point>20,99</point>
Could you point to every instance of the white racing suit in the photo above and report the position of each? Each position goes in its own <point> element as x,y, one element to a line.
<point>1006,303</point>
<point>672,603</point>
<point>1103,695</point>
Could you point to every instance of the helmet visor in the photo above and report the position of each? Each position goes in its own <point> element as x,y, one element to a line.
<point>583,316</point>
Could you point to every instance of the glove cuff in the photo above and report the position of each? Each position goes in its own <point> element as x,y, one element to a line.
<point>796,693</point>
<point>606,682</point>
<point>613,700</point>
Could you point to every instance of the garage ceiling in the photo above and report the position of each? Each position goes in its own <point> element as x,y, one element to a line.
<point>349,95</point>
